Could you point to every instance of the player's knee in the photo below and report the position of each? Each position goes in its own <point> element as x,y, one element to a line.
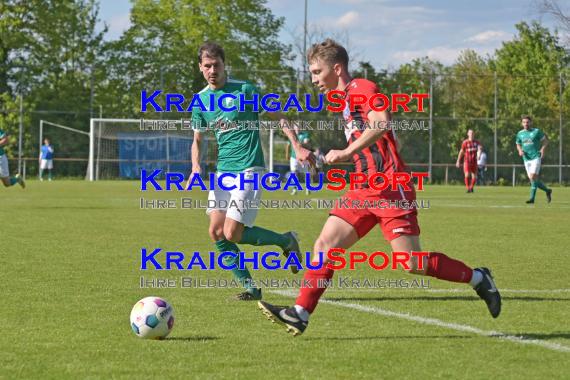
<point>232,235</point>
<point>321,245</point>
<point>216,233</point>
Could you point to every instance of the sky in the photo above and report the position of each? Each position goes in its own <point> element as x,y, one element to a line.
<point>387,33</point>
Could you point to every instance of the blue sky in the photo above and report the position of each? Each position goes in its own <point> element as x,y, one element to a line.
<point>389,32</point>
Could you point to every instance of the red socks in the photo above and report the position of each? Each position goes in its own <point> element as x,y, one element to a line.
<point>309,297</point>
<point>445,268</point>
<point>473,180</point>
<point>467,183</point>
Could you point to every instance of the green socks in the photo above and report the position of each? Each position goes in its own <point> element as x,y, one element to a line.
<point>261,236</point>
<point>240,274</point>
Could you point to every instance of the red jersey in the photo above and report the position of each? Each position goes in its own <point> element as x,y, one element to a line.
<point>382,156</point>
<point>470,151</point>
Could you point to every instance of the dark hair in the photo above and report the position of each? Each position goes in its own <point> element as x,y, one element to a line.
<point>526,117</point>
<point>330,52</point>
<point>212,50</point>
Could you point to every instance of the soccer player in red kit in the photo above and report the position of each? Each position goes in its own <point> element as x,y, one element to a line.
<point>372,150</point>
<point>469,152</point>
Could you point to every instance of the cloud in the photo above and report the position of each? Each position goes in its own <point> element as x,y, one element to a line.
<point>488,36</point>
<point>444,54</point>
<point>348,19</point>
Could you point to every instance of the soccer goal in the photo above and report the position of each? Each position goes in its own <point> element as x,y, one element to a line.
<point>120,149</point>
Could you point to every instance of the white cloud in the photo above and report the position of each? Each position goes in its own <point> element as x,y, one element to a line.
<point>348,19</point>
<point>445,55</point>
<point>488,36</point>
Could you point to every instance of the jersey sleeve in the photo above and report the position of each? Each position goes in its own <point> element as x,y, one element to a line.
<point>2,134</point>
<point>540,135</point>
<point>464,145</point>
<point>518,139</point>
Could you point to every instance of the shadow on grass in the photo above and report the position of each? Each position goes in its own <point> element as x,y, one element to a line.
<point>390,337</point>
<point>192,338</point>
<point>546,336</point>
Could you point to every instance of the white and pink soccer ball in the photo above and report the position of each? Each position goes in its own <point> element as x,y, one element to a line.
<point>152,318</point>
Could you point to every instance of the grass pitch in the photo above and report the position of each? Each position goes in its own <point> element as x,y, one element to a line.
<point>70,270</point>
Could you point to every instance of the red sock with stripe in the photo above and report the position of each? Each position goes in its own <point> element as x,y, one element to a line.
<point>309,296</point>
<point>445,268</point>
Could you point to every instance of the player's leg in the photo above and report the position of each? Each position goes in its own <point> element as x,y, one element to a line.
<point>50,169</point>
<point>239,225</point>
<point>293,170</point>
<point>535,183</point>
<point>5,177</point>
<point>533,170</point>
<point>466,176</point>
<point>42,169</point>
<point>336,233</point>
<point>437,264</point>
<point>218,216</point>
<point>473,177</point>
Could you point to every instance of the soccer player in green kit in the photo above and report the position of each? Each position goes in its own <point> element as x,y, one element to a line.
<point>531,143</point>
<point>5,177</point>
<point>239,151</point>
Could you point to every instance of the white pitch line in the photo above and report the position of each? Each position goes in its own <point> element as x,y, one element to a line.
<point>438,323</point>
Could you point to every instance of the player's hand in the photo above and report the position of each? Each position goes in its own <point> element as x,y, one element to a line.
<point>457,165</point>
<point>520,153</point>
<point>195,170</point>
<point>541,154</point>
<point>304,155</point>
<point>335,156</point>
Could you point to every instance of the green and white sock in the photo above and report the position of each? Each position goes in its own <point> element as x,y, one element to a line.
<point>532,190</point>
<point>261,236</point>
<point>241,274</point>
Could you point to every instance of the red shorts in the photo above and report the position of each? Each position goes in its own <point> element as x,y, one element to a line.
<point>394,222</point>
<point>470,167</point>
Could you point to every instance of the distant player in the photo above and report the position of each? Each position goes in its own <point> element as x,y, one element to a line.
<point>295,166</point>
<point>239,151</point>
<point>531,143</point>
<point>481,165</point>
<point>7,180</point>
<point>373,151</point>
<point>469,152</point>
<point>46,160</point>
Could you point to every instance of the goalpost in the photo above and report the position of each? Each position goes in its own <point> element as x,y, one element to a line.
<point>49,123</point>
<point>119,148</point>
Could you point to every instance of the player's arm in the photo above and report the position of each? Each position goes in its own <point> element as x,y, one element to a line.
<point>367,138</point>
<point>519,148</point>
<point>303,154</point>
<point>461,152</point>
<point>4,140</point>
<point>544,144</point>
<point>195,152</point>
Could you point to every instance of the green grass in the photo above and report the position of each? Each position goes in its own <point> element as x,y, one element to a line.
<point>70,260</point>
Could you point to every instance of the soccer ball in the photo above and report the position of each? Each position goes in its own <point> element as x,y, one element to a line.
<point>152,318</point>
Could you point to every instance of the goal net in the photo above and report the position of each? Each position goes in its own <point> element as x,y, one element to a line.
<point>120,149</point>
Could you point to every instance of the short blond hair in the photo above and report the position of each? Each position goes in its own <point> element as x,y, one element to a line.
<point>330,52</point>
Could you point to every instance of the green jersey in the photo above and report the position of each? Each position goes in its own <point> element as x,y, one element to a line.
<point>301,137</point>
<point>530,141</point>
<point>2,135</point>
<point>239,148</point>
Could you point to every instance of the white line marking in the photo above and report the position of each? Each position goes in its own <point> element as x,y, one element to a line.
<point>438,323</point>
